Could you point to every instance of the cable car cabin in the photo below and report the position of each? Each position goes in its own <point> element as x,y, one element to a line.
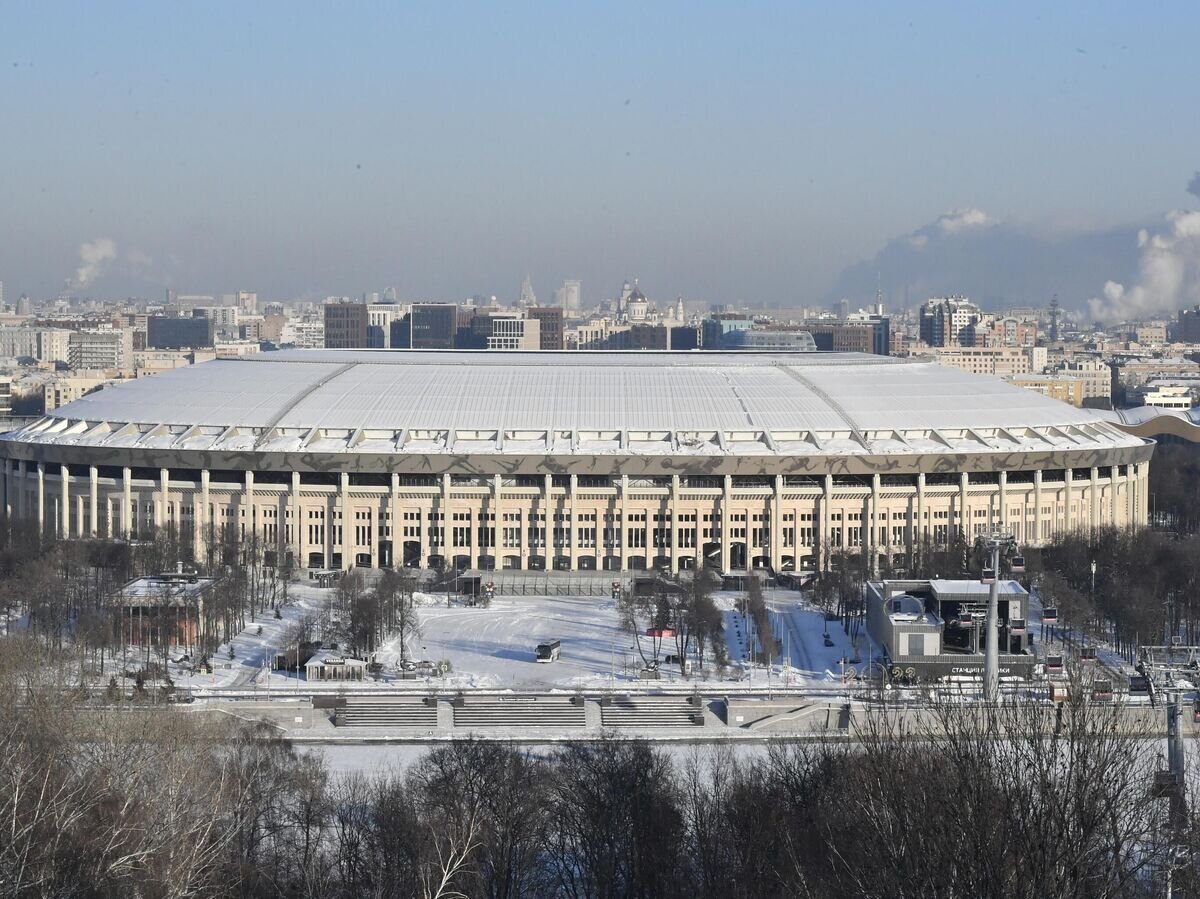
<point>1017,565</point>
<point>1139,685</point>
<point>1196,711</point>
<point>1016,627</point>
<point>1087,655</point>
<point>1050,615</point>
<point>1054,664</point>
<point>988,576</point>
<point>1059,692</point>
<point>548,652</point>
<point>1102,691</point>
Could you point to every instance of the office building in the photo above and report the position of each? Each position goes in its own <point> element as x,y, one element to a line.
<point>346,326</point>
<point>164,333</point>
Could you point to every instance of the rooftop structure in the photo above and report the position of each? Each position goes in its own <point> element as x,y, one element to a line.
<point>572,461</point>
<point>747,404</point>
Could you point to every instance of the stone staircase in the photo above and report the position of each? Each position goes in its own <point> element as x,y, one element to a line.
<point>651,711</point>
<point>519,711</point>
<point>387,711</point>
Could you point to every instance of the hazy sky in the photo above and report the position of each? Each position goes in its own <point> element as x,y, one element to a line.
<point>719,152</point>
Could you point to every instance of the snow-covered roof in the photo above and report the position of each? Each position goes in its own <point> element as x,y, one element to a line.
<point>975,588</point>
<point>333,657</point>
<point>328,401</point>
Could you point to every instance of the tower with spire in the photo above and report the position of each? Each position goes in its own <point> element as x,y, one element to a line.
<point>527,298</point>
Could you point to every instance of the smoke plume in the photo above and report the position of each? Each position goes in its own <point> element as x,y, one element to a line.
<point>1193,187</point>
<point>96,256</point>
<point>1168,274</point>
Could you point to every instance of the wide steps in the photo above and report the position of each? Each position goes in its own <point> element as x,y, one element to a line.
<point>651,711</point>
<point>367,712</point>
<point>525,711</point>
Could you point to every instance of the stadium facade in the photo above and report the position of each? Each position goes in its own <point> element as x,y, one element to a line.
<point>573,461</point>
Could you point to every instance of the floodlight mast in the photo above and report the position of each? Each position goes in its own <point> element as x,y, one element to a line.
<point>994,543</point>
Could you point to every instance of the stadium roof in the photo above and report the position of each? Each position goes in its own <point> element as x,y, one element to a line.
<point>573,402</point>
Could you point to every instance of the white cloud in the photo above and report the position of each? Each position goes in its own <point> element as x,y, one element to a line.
<point>958,220</point>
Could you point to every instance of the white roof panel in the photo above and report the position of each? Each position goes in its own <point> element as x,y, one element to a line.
<point>831,395</point>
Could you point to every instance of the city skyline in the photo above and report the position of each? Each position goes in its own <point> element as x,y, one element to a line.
<point>749,157</point>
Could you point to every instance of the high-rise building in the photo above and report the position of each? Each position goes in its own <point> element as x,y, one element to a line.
<point>570,296</point>
<point>24,305</point>
<point>527,298</point>
<point>163,333</point>
<point>247,301</point>
<point>225,319</point>
<point>379,324</point>
<point>550,319</point>
<point>1,294</point>
<point>346,326</point>
<point>949,321</point>
<point>102,348</point>
<point>433,326</point>
<point>511,332</point>
<point>1188,328</point>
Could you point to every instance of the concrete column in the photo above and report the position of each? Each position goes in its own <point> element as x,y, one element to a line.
<point>1067,478</point>
<point>674,523</point>
<point>8,491</point>
<point>826,522</point>
<point>21,491</point>
<point>293,508</point>
<point>41,500</point>
<point>918,532</point>
<point>160,500</point>
<point>963,520</point>
<point>572,536</point>
<point>1144,492</point>
<point>524,521</point>
<point>1130,492</point>
<point>777,526</point>
<point>498,533</point>
<point>127,511</point>
<point>397,529</point>
<point>447,524</point>
<point>64,524</point>
<point>1113,474</point>
<point>622,528</point>
<point>726,529</point>
<point>548,551</point>
<point>94,501</point>
<point>1094,498</point>
<point>248,505</point>
<point>204,523</point>
<point>874,542</point>
<point>343,505</point>
<point>1002,521</point>
<point>1037,506</point>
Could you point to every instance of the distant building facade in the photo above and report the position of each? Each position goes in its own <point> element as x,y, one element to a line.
<point>164,333</point>
<point>346,326</point>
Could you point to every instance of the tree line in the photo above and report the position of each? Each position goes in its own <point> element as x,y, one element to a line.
<point>1014,802</point>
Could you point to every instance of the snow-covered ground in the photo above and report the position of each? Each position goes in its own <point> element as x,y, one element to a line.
<point>494,647</point>
<point>254,652</point>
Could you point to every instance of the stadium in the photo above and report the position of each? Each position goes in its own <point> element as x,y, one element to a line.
<point>571,461</point>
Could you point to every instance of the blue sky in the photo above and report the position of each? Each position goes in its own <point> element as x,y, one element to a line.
<point>749,152</point>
